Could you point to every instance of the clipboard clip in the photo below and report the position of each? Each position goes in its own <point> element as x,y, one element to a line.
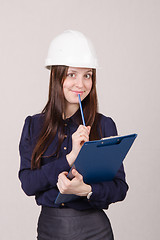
<point>114,141</point>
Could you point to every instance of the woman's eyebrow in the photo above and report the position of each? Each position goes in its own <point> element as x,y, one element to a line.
<point>70,70</point>
<point>89,71</point>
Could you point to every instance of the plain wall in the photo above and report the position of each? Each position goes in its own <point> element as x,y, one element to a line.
<point>127,40</point>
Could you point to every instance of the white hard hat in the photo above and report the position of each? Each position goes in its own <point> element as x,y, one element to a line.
<point>71,48</point>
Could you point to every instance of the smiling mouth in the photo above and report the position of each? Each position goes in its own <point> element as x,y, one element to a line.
<point>77,92</point>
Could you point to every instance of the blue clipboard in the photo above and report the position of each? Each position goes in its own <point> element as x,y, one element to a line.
<point>99,161</point>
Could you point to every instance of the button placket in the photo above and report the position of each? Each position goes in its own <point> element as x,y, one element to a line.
<point>67,144</point>
<point>65,136</point>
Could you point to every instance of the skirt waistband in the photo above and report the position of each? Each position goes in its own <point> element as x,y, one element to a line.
<point>69,212</point>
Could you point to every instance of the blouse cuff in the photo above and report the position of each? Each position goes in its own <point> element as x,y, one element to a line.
<point>97,192</point>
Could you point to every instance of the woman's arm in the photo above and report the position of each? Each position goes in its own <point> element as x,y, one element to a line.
<point>34,181</point>
<point>105,193</point>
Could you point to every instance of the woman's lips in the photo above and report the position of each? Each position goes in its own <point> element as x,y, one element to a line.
<point>77,92</point>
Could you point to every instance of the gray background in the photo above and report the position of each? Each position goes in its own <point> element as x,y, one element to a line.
<point>127,39</point>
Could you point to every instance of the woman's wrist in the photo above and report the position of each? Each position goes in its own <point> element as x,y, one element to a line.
<point>70,158</point>
<point>87,189</point>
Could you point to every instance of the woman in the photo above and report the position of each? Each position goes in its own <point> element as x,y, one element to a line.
<point>51,141</point>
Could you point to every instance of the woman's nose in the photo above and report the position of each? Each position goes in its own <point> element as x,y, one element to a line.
<point>79,81</point>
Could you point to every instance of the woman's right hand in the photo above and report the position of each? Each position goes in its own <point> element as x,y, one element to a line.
<point>78,139</point>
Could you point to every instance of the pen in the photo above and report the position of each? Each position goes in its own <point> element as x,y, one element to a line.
<point>80,104</point>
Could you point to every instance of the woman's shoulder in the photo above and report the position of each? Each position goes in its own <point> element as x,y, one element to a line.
<point>33,123</point>
<point>36,118</point>
<point>107,124</point>
<point>105,119</point>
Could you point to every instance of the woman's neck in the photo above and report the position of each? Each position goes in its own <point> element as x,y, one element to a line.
<point>71,109</point>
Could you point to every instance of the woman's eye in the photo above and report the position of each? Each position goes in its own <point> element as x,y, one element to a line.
<point>72,75</point>
<point>88,76</point>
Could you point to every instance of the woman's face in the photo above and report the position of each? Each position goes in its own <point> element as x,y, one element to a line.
<point>78,81</point>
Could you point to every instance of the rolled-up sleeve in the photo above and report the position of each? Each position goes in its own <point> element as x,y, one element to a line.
<point>37,180</point>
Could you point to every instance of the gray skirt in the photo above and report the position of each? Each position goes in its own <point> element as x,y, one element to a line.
<point>67,223</point>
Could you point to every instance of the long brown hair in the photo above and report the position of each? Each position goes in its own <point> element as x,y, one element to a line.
<point>54,110</point>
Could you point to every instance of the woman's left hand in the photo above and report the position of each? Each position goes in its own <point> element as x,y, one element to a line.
<point>75,186</point>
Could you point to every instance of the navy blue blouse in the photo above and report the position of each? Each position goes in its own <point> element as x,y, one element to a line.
<point>42,182</point>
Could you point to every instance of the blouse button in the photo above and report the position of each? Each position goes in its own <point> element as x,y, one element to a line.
<point>65,124</point>
<point>65,148</point>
